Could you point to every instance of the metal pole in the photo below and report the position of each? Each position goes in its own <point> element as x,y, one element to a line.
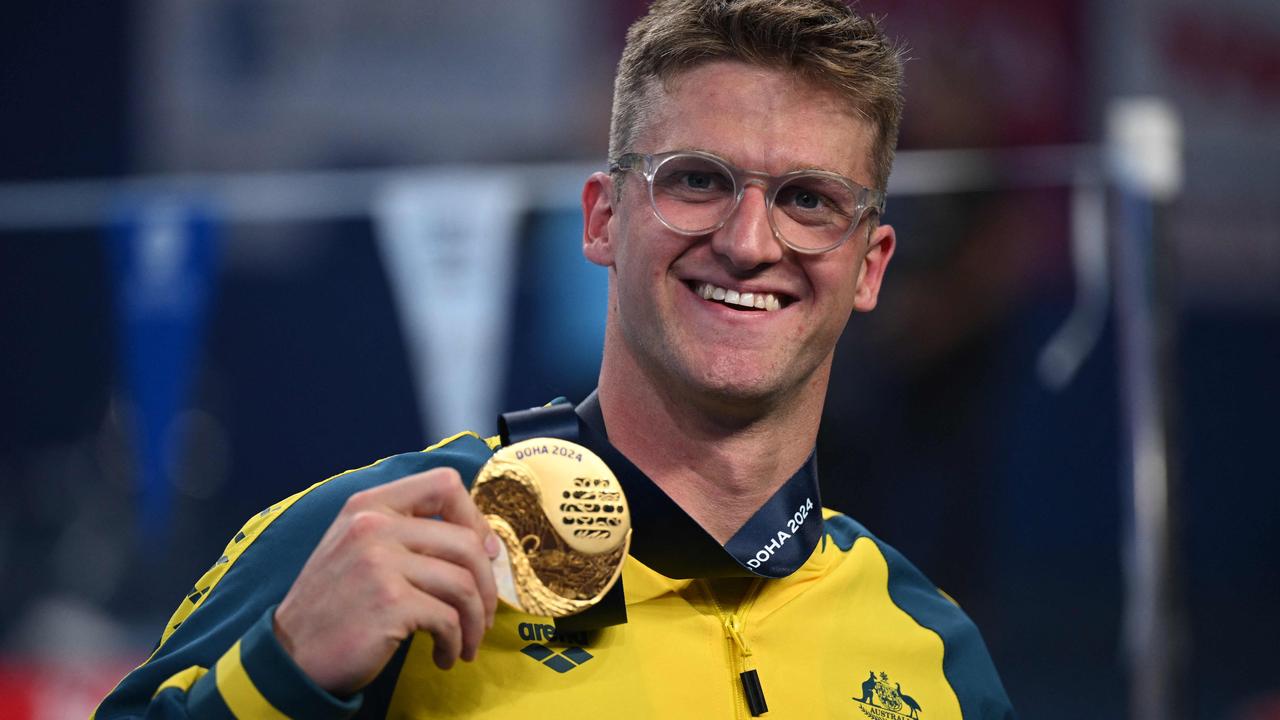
<point>1147,617</point>
<point>1144,139</point>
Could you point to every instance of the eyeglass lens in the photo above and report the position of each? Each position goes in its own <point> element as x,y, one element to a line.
<point>695,194</point>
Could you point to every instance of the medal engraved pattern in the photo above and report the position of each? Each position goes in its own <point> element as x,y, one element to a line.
<point>563,521</point>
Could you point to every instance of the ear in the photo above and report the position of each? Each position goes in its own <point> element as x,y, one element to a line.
<point>871,274</point>
<point>597,212</point>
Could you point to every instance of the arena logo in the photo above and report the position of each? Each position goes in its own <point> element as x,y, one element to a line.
<point>883,700</point>
<point>562,660</point>
<point>541,632</point>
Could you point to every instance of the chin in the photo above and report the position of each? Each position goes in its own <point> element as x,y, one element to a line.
<point>736,386</point>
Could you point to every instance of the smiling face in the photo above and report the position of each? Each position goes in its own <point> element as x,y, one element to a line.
<point>671,313</point>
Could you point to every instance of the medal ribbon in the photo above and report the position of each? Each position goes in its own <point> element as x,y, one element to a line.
<point>773,543</point>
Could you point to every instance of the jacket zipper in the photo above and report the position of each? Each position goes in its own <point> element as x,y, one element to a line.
<point>748,692</point>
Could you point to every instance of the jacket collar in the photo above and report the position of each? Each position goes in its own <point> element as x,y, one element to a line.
<point>773,543</point>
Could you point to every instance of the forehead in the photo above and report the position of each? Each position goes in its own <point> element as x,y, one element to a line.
<point>759,118</point>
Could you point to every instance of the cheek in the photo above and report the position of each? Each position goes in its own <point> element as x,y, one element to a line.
<point>835,277</point>
<point>648,253</point>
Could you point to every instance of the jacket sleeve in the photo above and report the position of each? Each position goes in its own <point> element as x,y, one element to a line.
<point>254,678</point>
<point>218,656</point>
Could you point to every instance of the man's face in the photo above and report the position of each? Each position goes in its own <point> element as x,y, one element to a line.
<point>758,119</point>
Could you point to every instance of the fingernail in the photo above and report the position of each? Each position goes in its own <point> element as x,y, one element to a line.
<point>491,545</point>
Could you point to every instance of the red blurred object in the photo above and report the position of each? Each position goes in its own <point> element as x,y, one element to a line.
<point>55,691</point>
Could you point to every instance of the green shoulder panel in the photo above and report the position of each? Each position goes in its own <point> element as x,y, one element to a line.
<point>260,564</point>
<point>966,662</point>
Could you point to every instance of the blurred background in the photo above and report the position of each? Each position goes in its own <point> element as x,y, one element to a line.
<point>245,245</point>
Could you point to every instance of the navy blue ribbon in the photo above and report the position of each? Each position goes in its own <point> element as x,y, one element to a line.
<point>773,543</point>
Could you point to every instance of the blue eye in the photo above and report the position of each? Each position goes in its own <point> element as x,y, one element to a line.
<point>693,179</point>
<point>800,198</point>
<point>699,180</point>
<point>806,200</point>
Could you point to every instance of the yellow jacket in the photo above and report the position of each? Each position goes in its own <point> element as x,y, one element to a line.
<point>855,632</point>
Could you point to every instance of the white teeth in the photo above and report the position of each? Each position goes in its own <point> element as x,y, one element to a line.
<point>761,301</point>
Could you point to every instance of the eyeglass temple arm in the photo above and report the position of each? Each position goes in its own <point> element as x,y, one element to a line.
<point>627,161</point>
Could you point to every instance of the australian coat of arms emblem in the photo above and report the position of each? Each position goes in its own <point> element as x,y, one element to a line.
<point>885,700</point>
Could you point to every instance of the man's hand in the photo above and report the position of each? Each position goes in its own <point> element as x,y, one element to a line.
<point>385,568</point>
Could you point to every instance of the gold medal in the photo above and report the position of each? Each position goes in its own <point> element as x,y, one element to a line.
<point>563,522</point>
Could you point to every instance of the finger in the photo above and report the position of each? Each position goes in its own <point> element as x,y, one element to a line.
<point>455,586</point>
<point>440,620</point>
<point>427,494</point>
<point>456,545</point>
<point>453,504</point>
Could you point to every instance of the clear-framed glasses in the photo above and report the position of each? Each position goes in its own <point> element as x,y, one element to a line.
<point>810,211</point>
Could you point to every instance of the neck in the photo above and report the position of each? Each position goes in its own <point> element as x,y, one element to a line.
<point>718,461</point>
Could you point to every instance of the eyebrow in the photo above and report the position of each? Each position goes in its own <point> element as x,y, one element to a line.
<point>794,168</point>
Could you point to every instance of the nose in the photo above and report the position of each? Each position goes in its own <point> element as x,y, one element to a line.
<point>747,239</point>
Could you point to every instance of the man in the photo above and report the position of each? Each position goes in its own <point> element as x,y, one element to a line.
<point>740,228</point>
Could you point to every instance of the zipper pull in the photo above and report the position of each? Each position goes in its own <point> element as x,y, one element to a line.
<point>751,687</point>
<point>733,630</point>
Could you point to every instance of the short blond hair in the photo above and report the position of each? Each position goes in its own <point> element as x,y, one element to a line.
<point>823,41</point>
